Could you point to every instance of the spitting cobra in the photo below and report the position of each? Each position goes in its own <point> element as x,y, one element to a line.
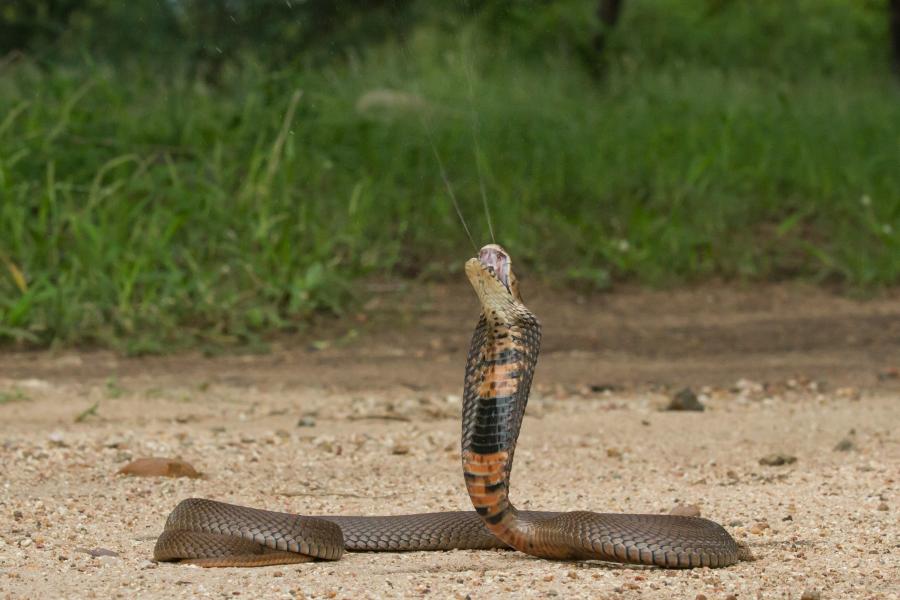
<point>499,370</point>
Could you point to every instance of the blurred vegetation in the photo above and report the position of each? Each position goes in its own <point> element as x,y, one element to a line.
<point>174,172</point>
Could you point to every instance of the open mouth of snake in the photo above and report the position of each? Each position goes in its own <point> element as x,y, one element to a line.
<point>497,262</point>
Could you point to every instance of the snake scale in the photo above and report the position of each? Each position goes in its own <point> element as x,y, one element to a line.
<point>499,369</point>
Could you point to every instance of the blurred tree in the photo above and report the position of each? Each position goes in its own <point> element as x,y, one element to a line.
<point>609,12</point>
<point>209,33</point>
<point>24,23</point>
<point>216,31</point>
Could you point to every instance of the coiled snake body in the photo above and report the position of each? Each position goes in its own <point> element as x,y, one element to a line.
<point>499,370</point>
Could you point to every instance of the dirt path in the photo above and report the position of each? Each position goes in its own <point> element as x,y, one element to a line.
<point>781,369</point>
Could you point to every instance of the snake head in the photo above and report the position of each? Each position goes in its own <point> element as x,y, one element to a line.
<point>497,262</point>
<point>492,276</point>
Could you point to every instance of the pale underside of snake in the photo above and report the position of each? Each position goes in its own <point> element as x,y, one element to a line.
<point>499,370</point>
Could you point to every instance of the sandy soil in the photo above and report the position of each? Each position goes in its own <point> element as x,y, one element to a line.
<point>787,370</point>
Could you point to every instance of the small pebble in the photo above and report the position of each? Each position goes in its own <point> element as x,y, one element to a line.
<point>160,467</point>
<point>599,388</point>
<point>777,459</point>
<point>56,439</point>
<point>687,400</point>
<point>97,552</point>
<point>400,449</point>
<point>811,595</point>
<point>845,445</point>
<point>759,528</point>
<point>883,506</point>
<point>306,422</point>
<point>889,373</point>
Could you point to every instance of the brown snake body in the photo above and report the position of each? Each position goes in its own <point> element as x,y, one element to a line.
<point>498,376</point>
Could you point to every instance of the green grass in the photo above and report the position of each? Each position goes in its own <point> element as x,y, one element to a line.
<point>143,209</point>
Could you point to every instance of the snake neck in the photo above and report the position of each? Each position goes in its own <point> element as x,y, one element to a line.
<point>499,371</point>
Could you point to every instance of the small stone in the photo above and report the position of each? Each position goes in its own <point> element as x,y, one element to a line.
<point>306,421</point>
<point>746,386</point>
<point>57,439</point>
<point>548,577</point>
<point>777,459</point>
<point>160,467</point>
<point>759,528</point>
<point>685,510</point>
<point>687,400</point>
<point>850,393</point>
<point>97,552</point>
<point>17,515</point>
<point>278,574</point>
<point>147,564</point>
<point>811,595</point>
<point>889,373</point>
<point>700,597</point>
<point>613,453</point>
<point>572,575</point>
<point>599,388</point>
<point>883,507</point>
<point>845,445</point>
<point>400,449</point>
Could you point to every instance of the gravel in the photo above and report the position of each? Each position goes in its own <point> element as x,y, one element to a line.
<point>60,492</point>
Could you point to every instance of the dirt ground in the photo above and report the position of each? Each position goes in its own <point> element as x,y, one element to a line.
<point>336,420</point>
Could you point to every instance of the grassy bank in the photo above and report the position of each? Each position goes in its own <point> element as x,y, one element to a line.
<point>141,206</point>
